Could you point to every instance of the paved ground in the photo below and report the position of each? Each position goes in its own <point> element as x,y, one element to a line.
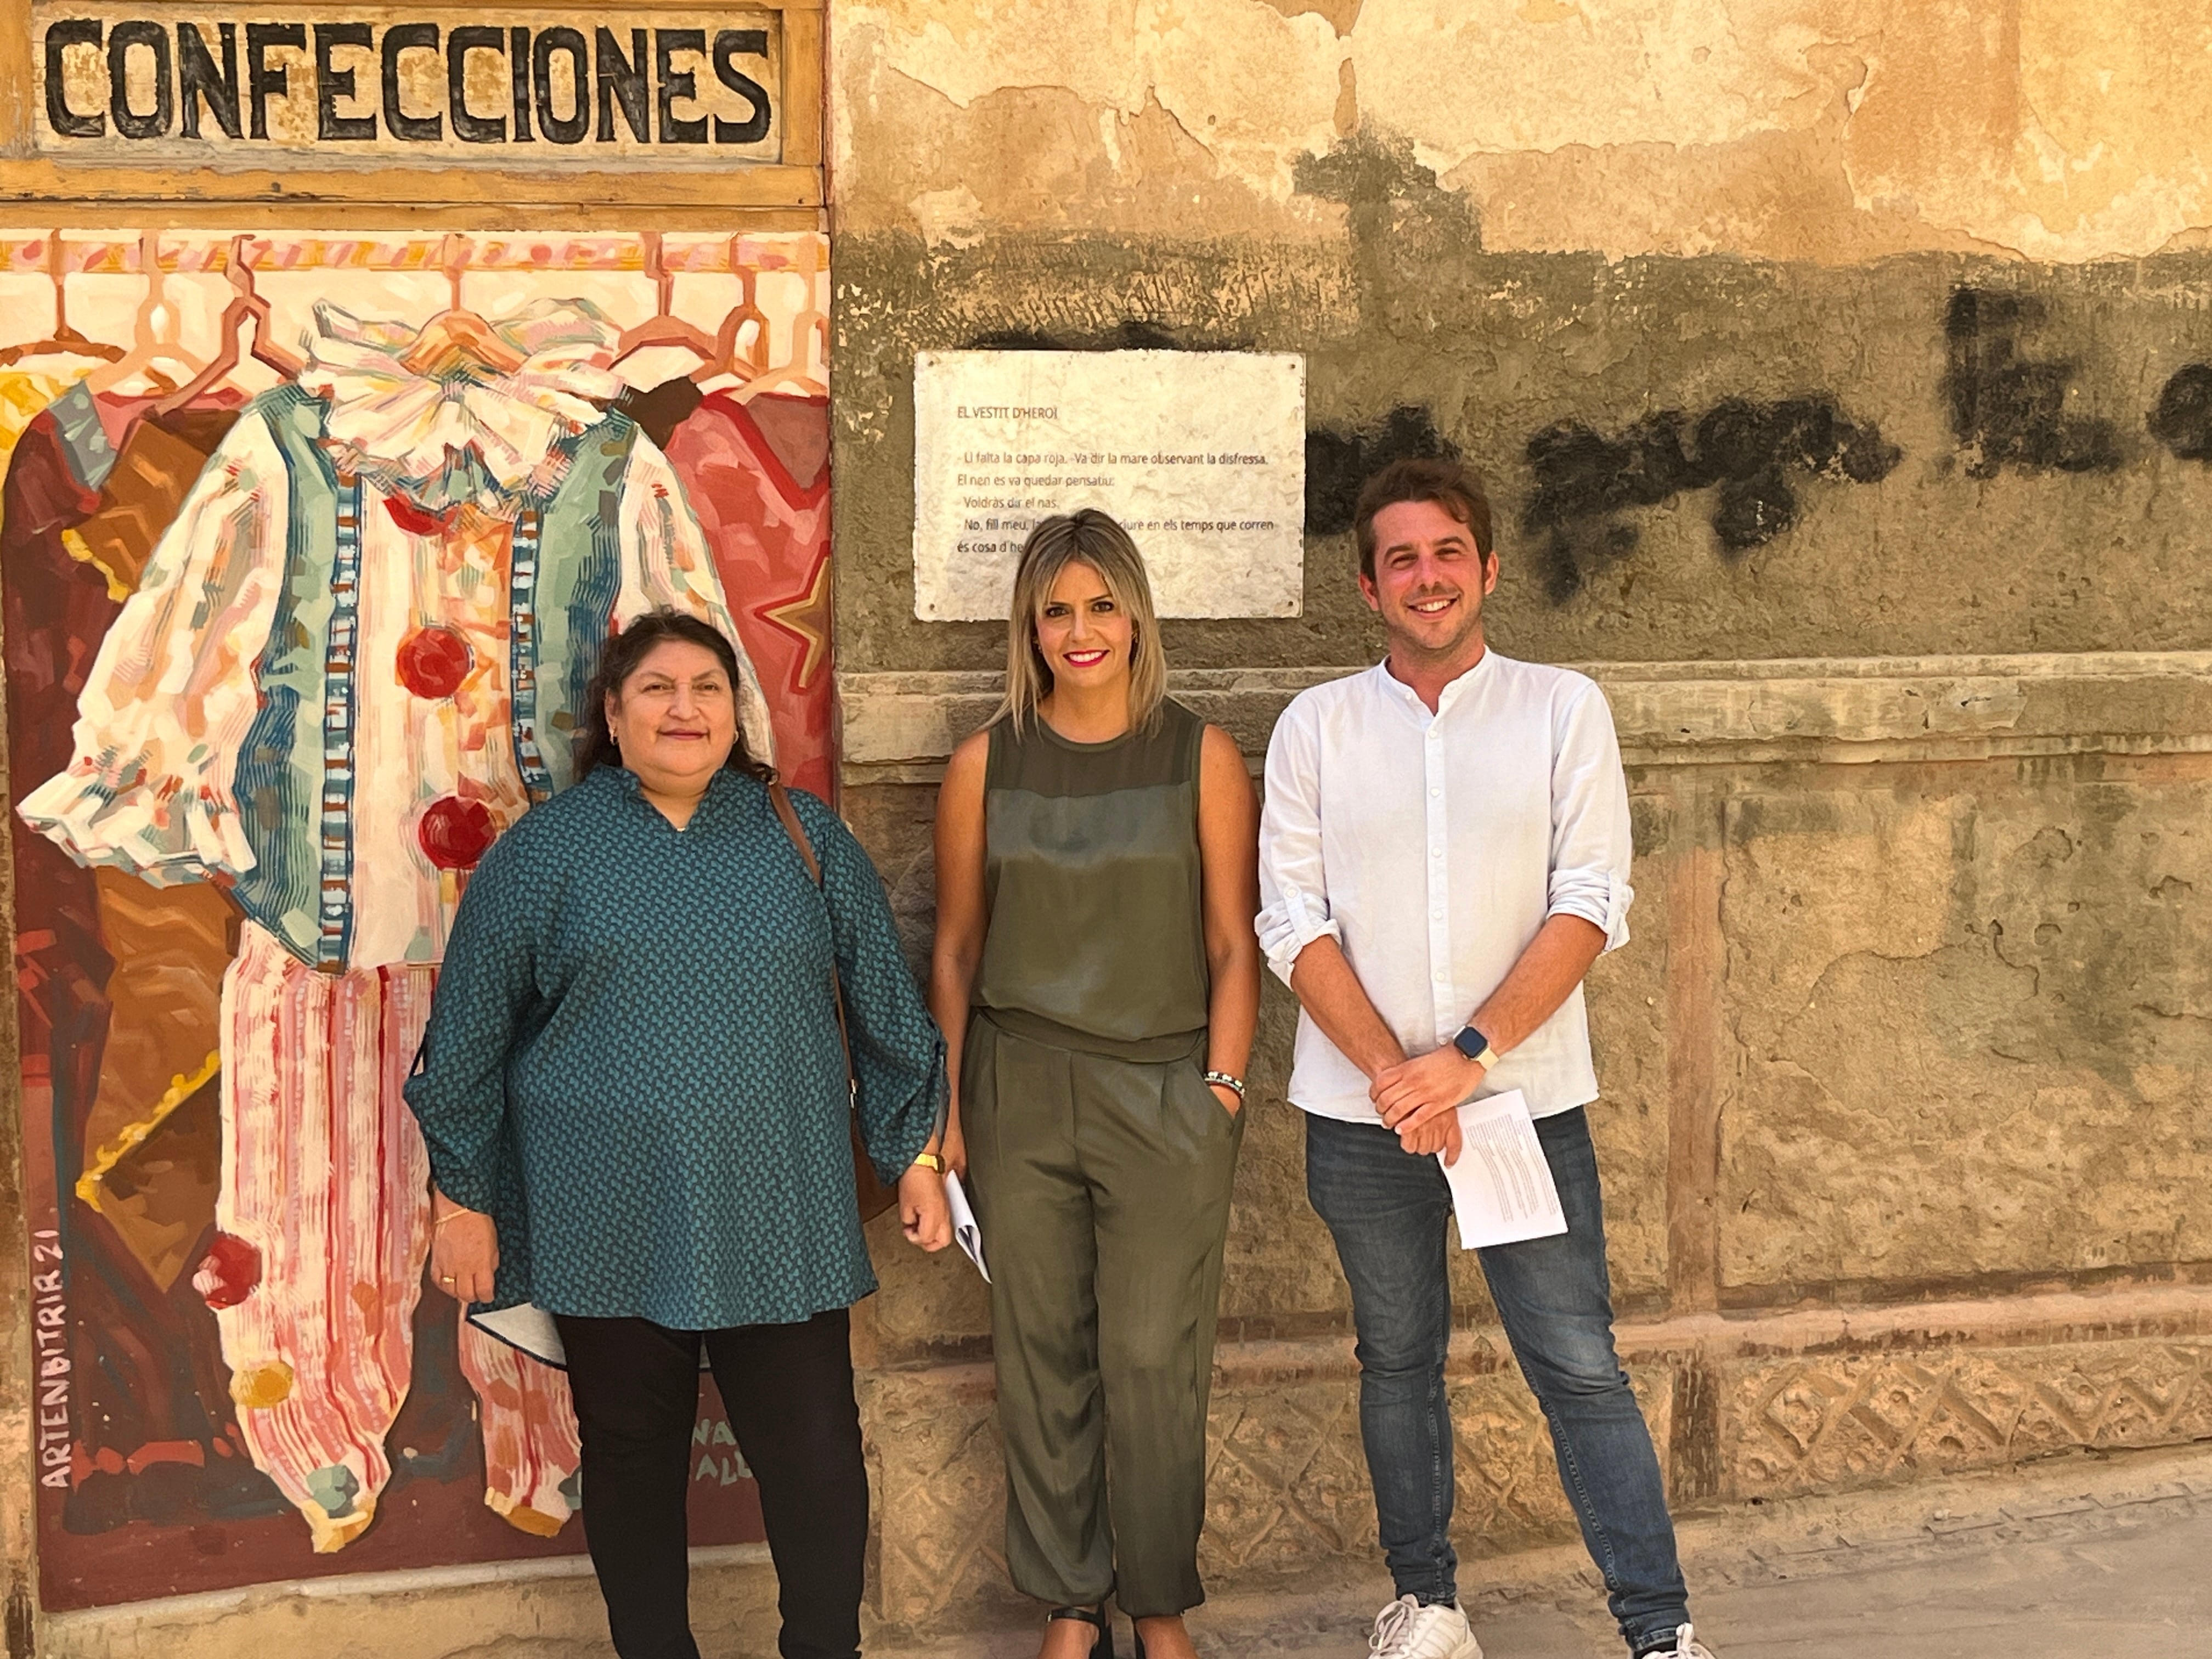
<point>2092,1558</point>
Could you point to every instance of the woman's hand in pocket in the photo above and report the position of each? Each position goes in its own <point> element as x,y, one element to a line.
<point>1231,1102</point>
<point>924,1212</point>
<point>463,1252</point>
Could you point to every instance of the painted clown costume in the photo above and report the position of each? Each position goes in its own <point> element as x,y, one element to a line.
<point>358,655</point>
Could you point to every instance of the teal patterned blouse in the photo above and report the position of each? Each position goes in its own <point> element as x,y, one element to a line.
<point>632,1061</point>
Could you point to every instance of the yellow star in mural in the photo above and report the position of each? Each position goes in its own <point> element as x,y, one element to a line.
<point>808,618</point>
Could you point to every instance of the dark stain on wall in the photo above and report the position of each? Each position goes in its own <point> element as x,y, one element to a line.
<point>1339,461</point>
<point>2008,411</point>
<point>1377,174</point>
<point>2182,418</point>
<point>1136,334</point>
<point>1406,229</point>
<point>1583,480</point>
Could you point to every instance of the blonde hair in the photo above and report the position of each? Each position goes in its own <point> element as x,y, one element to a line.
<point>1091,537</point>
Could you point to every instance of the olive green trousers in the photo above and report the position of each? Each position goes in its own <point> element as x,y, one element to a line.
<point>1102,1184</point>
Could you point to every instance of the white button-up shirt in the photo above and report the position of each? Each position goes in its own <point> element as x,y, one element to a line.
<point>1432,848</point>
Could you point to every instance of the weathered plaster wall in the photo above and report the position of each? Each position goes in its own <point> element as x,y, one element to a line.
<point>1781,129</point>
<point>1841,375</point>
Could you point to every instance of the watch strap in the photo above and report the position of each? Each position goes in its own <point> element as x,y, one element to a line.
<point>1477,1048</point>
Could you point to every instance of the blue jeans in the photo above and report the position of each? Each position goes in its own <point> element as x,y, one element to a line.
<point>1388,1208</point>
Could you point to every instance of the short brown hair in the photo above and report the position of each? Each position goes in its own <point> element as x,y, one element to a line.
<point>1454,485</point>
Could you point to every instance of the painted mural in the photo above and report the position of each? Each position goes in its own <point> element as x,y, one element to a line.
<point>307,545</point>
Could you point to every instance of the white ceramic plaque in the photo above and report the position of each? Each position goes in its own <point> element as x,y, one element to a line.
<point>1199,454</point>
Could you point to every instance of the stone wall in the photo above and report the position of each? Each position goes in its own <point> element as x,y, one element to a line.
<point>1839,373</point>
<point>1901,1133</point>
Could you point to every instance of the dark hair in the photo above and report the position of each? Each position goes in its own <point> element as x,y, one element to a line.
<point>619,658</point>
<point>1453,485</point>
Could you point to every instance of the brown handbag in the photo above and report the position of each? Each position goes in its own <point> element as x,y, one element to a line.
<point>874,1198</point>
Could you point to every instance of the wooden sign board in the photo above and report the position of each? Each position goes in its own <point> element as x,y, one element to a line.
<point>675,87</point>
<point>499,106</point>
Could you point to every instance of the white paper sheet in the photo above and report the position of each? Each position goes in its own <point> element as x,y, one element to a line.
<point>965,1232</point>
<point>1502,1189</point>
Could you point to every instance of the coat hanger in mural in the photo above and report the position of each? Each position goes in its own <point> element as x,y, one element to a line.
<point>458,337</point>
<point>735,358</point>
<point>664,328</point>
<point>64,341</point>
<point>729,358</point>
<point>156,361</point>
<point>794,378</point>
<point>247,309</point>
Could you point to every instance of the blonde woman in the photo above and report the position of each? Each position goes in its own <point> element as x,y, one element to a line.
<point>1097,978</point>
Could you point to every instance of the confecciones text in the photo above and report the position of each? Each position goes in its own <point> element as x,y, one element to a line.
<point>376,84</point>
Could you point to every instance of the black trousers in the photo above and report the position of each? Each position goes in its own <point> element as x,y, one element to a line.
<point>789,1391</point>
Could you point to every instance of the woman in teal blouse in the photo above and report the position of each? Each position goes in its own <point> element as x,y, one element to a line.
<point>635,1097</point>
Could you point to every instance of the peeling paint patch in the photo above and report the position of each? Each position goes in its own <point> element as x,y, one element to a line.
<point>1342,14</point>
<point>948,218</point>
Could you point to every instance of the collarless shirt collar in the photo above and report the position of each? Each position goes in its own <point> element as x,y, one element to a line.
<point>1476,674</point>
<point>720,791</point>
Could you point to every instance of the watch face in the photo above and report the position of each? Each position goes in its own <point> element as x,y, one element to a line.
<point>1471,1043</point>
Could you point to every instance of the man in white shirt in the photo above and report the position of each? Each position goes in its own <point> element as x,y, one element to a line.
<point>1444,853</point>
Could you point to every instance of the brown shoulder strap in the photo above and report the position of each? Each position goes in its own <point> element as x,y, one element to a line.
<point>781,798</point>
<point>873,1197</point>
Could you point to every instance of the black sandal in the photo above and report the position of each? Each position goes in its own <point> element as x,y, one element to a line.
<point>1104,1647</point>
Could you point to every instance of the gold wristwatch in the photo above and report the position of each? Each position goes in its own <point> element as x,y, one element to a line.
<point>929,1161</point>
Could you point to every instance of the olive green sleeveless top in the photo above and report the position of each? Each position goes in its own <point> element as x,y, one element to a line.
<point>1092,870</point>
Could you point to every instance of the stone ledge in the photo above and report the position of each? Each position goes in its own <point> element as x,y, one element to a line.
<point>899,727</point>
<point>1804,1403</point>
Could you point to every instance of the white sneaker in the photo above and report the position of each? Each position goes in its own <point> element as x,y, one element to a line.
<point>1687,1646</point>
<point>1407,1630</point>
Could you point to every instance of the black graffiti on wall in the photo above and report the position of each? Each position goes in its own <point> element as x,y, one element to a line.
<point>1340,459</point>
<point>2006,409</point>
<point>2182,420</point>
<point>1753,453</point>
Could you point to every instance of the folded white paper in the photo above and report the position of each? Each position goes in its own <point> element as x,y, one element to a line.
<point>527,1326</point>
<point>965,1232</point>
<point>1502,1189</point>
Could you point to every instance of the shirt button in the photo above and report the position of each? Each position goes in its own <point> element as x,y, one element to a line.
<point>1435,793</point>
<point>454,833</point>
<point>1435,915</point>
<point>434,661</point>
<point>1435,852</point>
<point>1440,975</point>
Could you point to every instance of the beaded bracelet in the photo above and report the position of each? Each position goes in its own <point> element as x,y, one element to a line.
<point>1235,1085</point>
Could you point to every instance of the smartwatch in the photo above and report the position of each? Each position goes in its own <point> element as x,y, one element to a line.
<point>1476,1047</point>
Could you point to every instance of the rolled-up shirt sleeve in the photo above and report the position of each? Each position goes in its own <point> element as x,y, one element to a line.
<point>1591,841</point>
<point>1294,908</point>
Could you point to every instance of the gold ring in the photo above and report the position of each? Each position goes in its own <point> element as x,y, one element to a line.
<point>445,1278</point>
